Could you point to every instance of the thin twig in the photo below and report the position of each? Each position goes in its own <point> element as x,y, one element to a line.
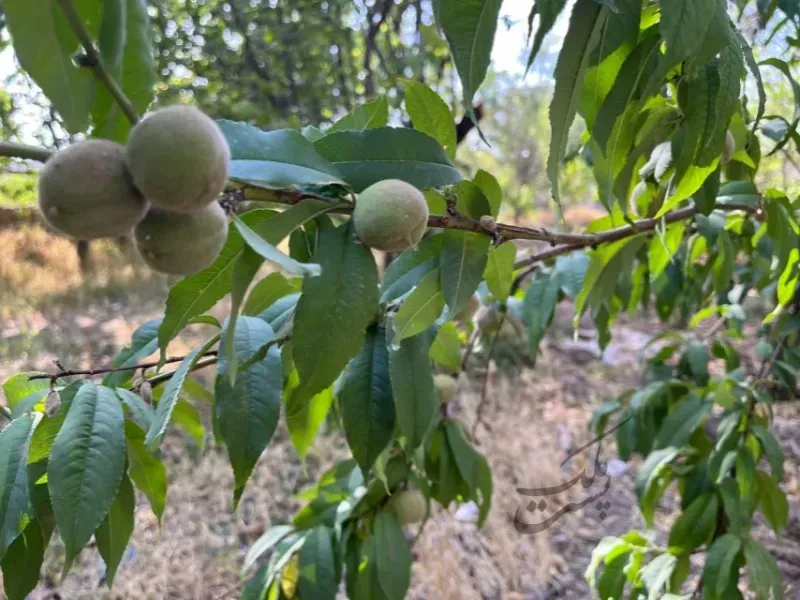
<point>6,412</point>
<point>200,364</point>
<point>473,337</point>
<point>95,61</point>
<point>485,391</point>
<point>101,371</point>
<point>14,150</point>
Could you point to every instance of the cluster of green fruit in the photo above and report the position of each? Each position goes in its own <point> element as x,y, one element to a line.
<point>162,186</point>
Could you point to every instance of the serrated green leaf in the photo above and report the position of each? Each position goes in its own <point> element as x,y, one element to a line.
<point>473,469</point>
<point>274,159</point>
<point>763,573</point>
<point>264,293</point>
<point>682,421</point>
<point>773,502</point>
<point>772,450</point>
<point>421,308</point>
<point>23,561</point>
<point>48,428</point>
<point>114,532</point>
<point>366,157</point>
<point>548,11</point>
<point>718,570</point>
<point>430,115</point>
<point>446,347</point>
<point>724,264</point>
<point>415,398</point>
<point>491,190</point>
<point>317,566</point>
<point>663,248</point>
<point>146,469</point>
<point>656,462</point>
<point>571,270</point>
<point>304,415</point>
<point>368,412</point>
<point>738,192</point>
<point>187,417</point>
<point>469,26</point>
<point>392,556</point>
<point>695,525</point>
<point>264,544</point>
<point>584,30</point>
<point>269,252</point>
<point>86,466</point>
<point>334,310</point>
<point>540,302</point>
<point>15,506</point>
<point>462,263</point>
<point>366,116</point>
<point>612,582</point>
<point>127,50</point>
<point>605,268</point>
<point>144,342</point>
<point>499,272</point>
<point>410,267</point>
<point>141,412</point>
<point>172,391</point>
<point>656,574</point>
<point>23,394</point>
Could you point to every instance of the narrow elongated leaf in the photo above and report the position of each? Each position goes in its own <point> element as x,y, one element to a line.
<point>656,574</point>
<point>421,308</point>
<point>392,556</point>
<point>719,563</point>
<point>772,450</point>
<point>499,272</point>
<point>540,302</point>
<point>47,56</point>
<point>763,573</point>
<point>305,415</point>
<point>584,28</point>
<point>410,267</point>
<point>266,292</point>
<point>773,501</point>
<point>366,116</point>
<point>431,115</point>
<point>682,421</point>
<point>334,310</point>
<point>127,50</point>
<point>264,544</point>
<point>415,398</point>
<point>23,561</point>
<point>462,263</point>
<point>114,532</point>
<point>23,394</point>
<point>187,417</point>
<point>368,412</point>
<point>366,157</point>
<point>15,506</point>
<point>86,466</point>
<point>548,11</point>
<point>663,248</point>
<point>446,347</point>
<point>490,187</point>
<point>469,26</point>
<point>146,470</point>
<point>656,462</point>
<point>695,525</point>
<point>144,342</point>
<point>141,412</point>
<point>248,413</point>
<point>274,159</point>
<point>172,391</point>
<point>317,566</point>
<point>272,254</point>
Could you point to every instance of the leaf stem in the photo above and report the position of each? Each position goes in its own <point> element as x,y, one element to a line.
<point>95,61</point>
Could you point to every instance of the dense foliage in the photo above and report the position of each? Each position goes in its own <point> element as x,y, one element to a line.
<point>674,136</point>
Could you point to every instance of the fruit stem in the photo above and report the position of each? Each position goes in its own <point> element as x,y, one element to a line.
<point>94,61</point>
<point>14,150</point>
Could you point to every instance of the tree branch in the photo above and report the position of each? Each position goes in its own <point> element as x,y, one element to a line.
<point>90,372</point>
<point>14,150</point>
<point>162,377</point>
<point>95,61</point>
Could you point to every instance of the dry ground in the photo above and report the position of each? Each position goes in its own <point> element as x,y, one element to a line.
<point>535,417</point>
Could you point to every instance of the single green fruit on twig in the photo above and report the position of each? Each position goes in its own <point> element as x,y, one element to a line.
<point>409,506</point>
<point>391,216</point>
<point>86,192</point>
<point>446,386</point>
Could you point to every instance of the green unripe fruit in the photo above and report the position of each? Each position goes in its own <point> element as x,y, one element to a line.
<point>729,149</point>
<point>179,159</point>
<point>181,244</point>
<point>86,192</point>
<point>445,386</point>
<point>487,319</point>
<point>390,215</point>
<point>408,505</point>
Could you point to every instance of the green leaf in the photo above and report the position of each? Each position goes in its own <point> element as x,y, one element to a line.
<point>446,347</point>
<point>141,412</point>
<point>171,392</point>
<point>317,566</point>
<point>48,428</point>
<point>415,398</point>
<point>499,272</point>
<point>695,525</point>
<point>657,461</point>
<point>663,248</point>
<point>773,501</point>
<point>762,571</point>
<point>15,506</point>
<point>195,294</point>
<point>366,116</point>
<point>23,561</point>
<point>264,544</point>
<point>605,268</point>
<point>772,450</point>
<point>47,55</point>
<point>144,342</point>
<point>431,115</point>
<point>366,157</point>
<point>473,468</point>
<point>738,192</point>
<point>146,470</point>
<point>718,570</point>
<point>266,292</point>
<point>612,581</point>
<point>696,356</point>
<point>248,412</point>
<point>281,311</point>
<point>540,302</point>
<point>127,50</point>
<point>392,556</point>
<point>187,417</point>
<point>722,269</point>
<point>548,11</point>
<point>368,412</point>
<point>656,574</point>
<point>585,26</point>
<point>272,254</point>
<point>421,308</point>
<point>491,189</point>
<point>304,415</point>
<point>335,309</point>
<point>571,271</point>
<point>86,466</point>
<point>275,159</point>
<point>410,267</point>
<point>23,394</point>
<point>114,532</point>
<point>682,421</point>
<point>462,263</point>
